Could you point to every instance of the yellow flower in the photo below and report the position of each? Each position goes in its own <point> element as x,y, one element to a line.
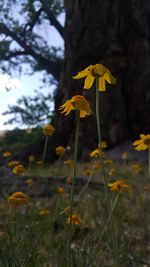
<point>68,163</point>
<point>96,165</point>
<point>119,186</point>
<point>112,172</point>
<point>7,154</point>
<point>18,199</point>
<point>60,150</point>
<point>88,172</point>
<point>108,161</point>
<point>77,102</point>
<point>13,163</point>
<point>96,153</point>
<point>31,158</point>
<point>19,169</point>
<point>103,144</point>
<point>125,155</point>
<point>61,190</point>
<point>30,181</point>
<point>96,71</point>
<point>48,130</point>
<point>67,210</point>
<point>75,219</point>
<point>44,212</point>
<point>143,143</point>
<point>137,167</point>
<point>69,180</point>
<point>39,162</point>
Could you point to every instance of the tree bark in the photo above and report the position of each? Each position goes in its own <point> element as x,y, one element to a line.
<point>115,33</point>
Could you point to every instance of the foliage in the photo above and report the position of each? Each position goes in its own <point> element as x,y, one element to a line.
<point>18,139</point>
<point>30,111</point>
<point>25,37</point>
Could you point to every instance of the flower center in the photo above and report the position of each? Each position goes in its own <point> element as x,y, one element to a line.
<point>147,141</point>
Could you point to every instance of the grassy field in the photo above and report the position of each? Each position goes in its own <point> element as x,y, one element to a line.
<point>36,234</point>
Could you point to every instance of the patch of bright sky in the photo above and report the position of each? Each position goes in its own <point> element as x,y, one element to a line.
<point>25,85</point>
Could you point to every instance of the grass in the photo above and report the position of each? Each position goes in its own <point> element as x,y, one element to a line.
<point>30,239</point>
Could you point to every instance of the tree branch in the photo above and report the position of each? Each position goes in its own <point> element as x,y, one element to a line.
<point>13,54</point>
<point>52,67</point>
<point>52,18</point>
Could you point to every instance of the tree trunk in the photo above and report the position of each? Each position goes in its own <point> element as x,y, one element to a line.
<point>116,34</point>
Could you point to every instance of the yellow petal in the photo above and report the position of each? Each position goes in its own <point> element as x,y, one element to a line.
<point>88,82</point>
<point>102,86</point>
<point>83,73</point>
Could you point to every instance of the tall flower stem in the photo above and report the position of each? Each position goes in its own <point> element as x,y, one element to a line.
<point>73,184</point>
<point>149,161</point>
<point>98,119</point>
<point>45,148</point>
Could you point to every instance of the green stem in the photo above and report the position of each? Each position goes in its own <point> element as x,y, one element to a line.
<point>98,119</point>
<point>45,148</point>
<point>73,184</point>
<point>149,161</point>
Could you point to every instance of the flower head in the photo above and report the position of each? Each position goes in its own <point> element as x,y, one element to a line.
<point>143,143</point>
<point>13,163</point>
<point>7,154</point>
<point>125,155</point>
<point>69,180</point>
<point>96,71</point>
<point>61,190</point>
<point>119,186</point>
<point>18,199</point>
<point>112,172</point>
<point>44,212</point>
<point>75,219</point>
<point>68,163</point>
<point>31,158</point>
<point>30,181</point>
<point>48,130</point>
<point>77,102</point>
<point>60,150</point>
<point>19,169</point>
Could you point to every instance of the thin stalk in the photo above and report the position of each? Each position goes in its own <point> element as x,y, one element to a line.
<point>45,148</point>
<point>73,184</point>
<point>98,119</point>
<point>149,161</point>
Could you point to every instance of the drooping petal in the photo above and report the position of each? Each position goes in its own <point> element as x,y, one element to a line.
<point>88,82</point>
<point>102,85</point>
<point>83,73</point>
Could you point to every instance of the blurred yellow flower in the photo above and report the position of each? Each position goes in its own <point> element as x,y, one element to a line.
<point>112,172</point>
<point>19,169</point>
<point>77,102</point>
<point>69,180</point>
<point>108,161</point>
<point>30,181</point>
<point>18,199</point>
<point>67,210</point>
<point>119,186</point>
<point>125,155</point>
<point>96,153</point>
<point>44,212</point>
<point>48,130</point>
<point>143,143</point>
<point>39,162</point>
<point>61,190</point>
<point>7,154</point>
<point>31,158</point>
<point>137,167</point>
<point>96,71</point>
<point>68,163</point>
<point>75,219</point>
<point>87,172</point>
<point>13,163</point>
<point>103,144</point>
<point>96,165</point>
<point>60,150</point>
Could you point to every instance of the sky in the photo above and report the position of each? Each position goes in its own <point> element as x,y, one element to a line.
<point>24,85</point>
